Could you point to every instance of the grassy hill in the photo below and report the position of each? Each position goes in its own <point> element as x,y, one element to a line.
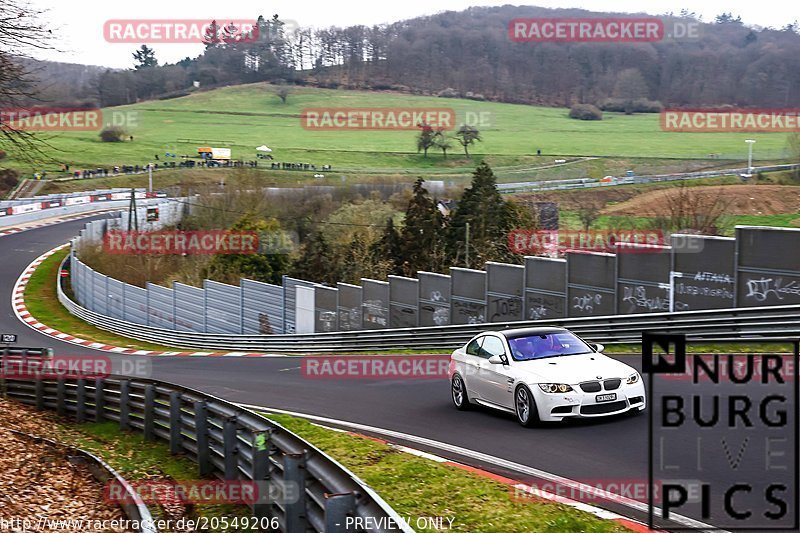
<point>245,116</point>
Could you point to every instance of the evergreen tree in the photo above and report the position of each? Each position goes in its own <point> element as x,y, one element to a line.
<point>489,217</point>
<point>145,57</point>
<point>316,261</point>
<point>422,235</point>
<point>388,248</point>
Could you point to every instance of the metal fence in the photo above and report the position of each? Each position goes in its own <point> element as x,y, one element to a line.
<point>753,321</point>
<point>308,491</point>
<point>758,268</point>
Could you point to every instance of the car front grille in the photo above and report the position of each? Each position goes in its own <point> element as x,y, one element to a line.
<point>602,408</point>
<point>590,386</point>
<point>612,384</point>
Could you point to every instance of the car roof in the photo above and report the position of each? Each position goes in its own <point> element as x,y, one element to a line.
<point>527,332</point>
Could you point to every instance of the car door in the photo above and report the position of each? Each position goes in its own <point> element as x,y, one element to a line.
<point>494,380</point>
<point>472,358</point>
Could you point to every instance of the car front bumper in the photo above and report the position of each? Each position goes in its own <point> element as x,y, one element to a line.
<point>579,404</point>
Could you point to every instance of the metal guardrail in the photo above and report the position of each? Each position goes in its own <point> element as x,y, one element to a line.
<point>226,441</point>
<point>613,329</point>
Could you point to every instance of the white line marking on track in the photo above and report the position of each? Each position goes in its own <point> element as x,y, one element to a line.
<point>489,459</point>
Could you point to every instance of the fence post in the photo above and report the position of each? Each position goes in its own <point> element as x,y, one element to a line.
<point>61,392</point>
<point>80,401</point>
<point>201,432</point>
<point>124,408</point>
<point>39,386</point>
<point>175,423</point>
<point>337,508</point>
<point>231,448</point>
<point>262,441</point>
<point>99,400</point>
<point>294,475</point>
<point>149,411</point>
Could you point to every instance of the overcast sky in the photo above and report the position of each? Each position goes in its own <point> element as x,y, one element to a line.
<point>78,24</point>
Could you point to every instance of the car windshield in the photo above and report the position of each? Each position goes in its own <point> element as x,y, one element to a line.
<point>549,345</point>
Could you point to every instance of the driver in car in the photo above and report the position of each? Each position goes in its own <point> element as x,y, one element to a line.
<point>544,345</point>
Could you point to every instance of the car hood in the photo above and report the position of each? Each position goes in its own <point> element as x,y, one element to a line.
<point>572,369</point>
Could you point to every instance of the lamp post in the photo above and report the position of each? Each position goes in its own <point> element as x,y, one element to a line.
<point>750,143</point>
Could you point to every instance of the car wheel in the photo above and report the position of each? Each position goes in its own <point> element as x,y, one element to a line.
<point>525,407</point>
<point>458,392</point>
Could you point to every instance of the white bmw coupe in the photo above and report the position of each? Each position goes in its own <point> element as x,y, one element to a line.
<point>542,374</point>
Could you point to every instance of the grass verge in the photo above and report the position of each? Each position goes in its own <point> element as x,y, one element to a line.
<point>42,302</point>
<point>417,487</point>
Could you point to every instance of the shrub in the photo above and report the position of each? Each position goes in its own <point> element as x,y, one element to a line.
<point>474,96</point>
<point>643,105</point>
<point>113,134</point>
<point>585,112</point>
<point>2,155</point>
<point>640,105</point>
<point>448,93</point>
<point>8,180</point>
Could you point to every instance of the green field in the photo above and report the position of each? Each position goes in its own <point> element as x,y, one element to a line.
<point>245,116</point>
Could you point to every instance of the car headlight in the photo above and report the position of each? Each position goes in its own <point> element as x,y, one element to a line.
<point>555,387</point>
<point>633,378</point>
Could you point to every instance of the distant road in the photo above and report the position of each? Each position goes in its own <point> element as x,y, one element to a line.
<point>583,183</point>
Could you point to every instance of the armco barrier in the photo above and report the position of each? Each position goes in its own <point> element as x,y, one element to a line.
<point>227,442</point>
<point>750,321</point>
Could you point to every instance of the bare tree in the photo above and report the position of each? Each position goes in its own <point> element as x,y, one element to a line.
<point>20,33</point>
<point>442,141</point>
<point>467,135</point>
<point>701,210</point>
<point>282,92</point>
<point>589,211</point>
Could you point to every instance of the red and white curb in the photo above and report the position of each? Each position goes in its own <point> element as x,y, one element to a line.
<point>531,493</point>
<point>59,220</point>
<point>21,310</point>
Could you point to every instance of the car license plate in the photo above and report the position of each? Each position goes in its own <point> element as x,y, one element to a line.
<point>606,397</point>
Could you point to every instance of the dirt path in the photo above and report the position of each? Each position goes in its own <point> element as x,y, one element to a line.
<point>736,199</point>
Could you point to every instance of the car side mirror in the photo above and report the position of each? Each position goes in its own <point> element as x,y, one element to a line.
<point>597,347</point>
<point>498,360</point>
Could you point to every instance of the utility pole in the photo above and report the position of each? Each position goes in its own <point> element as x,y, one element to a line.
<point>133,220</point>
<point>150,177</point>
<point>467,244</point>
